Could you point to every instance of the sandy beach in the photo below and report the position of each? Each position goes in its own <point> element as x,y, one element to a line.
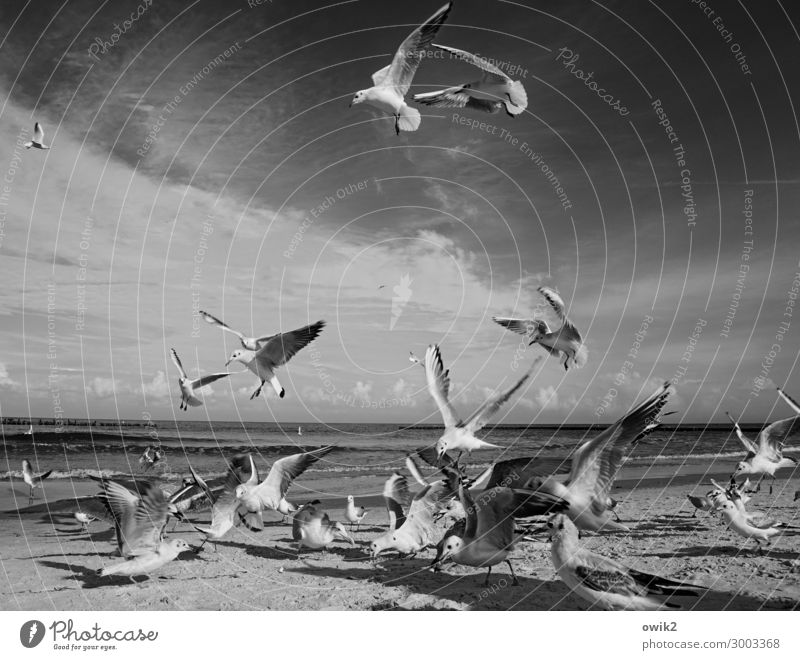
<point>50,562</point>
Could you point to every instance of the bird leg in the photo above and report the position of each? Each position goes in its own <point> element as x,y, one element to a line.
<point>397,124</point>
<point>258,391</point>
<point>486,581</point>
<point>515,581</point>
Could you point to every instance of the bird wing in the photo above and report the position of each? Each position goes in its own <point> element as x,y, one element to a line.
<point>407,59</point>
<point>517,472</point>
<point>210,378</point>
<point>608,578</point>
<point>749,445</point>
<point>285,471</point>
<point>177,362</point>
<point>439,385</point>
<point>413,468</point>
<point>425,504</point>
<point>396,495</point>
<point>596,462</point>
<point>43,476</point>
<point>213,320</point>
<point>792,403</point>
<point>457,97</point>
<point>482,416</point>
<point>568,331</point>
<point>282,347</point>
<point>525,327</point>
<point>772,438</point>
<point>476,60</point>
<point>143,534</point>
<point>38,133</point>
<point>468,504</point>
<point>429,455</point>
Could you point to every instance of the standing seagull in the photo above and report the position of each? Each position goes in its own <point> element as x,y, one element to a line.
<point>140,521</point>
<point>493,92</point>
<point>248,343</point>
<point>488,537</point>
<point>37,142</point>
<point>595,465</point>
<point>765,456</point>
<point>565,342</point>
<point>188,386</point>
<point>84,518</point>
<point>312,528</point>
<point>391,83</point>
<point>275,352</point>
<point>354,514</point>
<point>761,531</point>
<point>606,582</point>
<point>458,435</point>
<point>270,494</point>
<point>31,479</point>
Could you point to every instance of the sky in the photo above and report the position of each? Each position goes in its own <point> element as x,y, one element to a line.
<point>204,157</point>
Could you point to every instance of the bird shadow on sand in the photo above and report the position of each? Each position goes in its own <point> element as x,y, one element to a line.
<point>723,551</point>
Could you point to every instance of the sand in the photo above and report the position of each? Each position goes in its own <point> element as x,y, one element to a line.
<point>50,562</point>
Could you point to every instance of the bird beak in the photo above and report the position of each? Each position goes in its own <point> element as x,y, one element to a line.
<point>228,362</point>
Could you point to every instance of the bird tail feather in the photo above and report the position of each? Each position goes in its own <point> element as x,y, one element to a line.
<point>409,119</point>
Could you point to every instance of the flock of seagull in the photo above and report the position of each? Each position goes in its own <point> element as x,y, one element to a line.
<point>473,521</point>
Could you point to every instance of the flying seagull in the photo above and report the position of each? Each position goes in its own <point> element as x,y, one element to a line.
<point>312,528</point>
<point>458,435</point>
<point>188,386</point>
<point>566,342</point>
<point>275,352</point>
<point>491,93</point>
<point>391,83</point>
<point>33,480</point>
<point>248,343</point>
<point>37,142</point>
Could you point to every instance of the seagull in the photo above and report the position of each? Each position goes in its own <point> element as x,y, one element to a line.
<point>248,343</point>
<point>275,352</point>
<point>150,457</point>
<point>391,83</point>
<point>84,518</point>
<point>37,142</point>
<point>595,465</point>
<point>191,496</point>
<point>299,430</point>
<point>312,528</point>
<point>458,435</point>
<point>139,519</point>
<point>565,342</point>
<point>396,497</point>
<point>417,530</point>
<point>495,91</point>
<point>188,386</point>
<point>33,480</point>
<point>29,431</point>
<point>765,456</point>
<point>702,503</point>
<point>286,509</point>
<point>606,582</point>
<point>354,514</point>
<point>761,531</point>
<point>488,538</point>
<point>792,403</point>
<point>270,493</point>
<point>415,360</point>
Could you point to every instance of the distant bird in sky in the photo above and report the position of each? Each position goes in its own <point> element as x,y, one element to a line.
<point>37,142</point>
<point>491,93</point>
<point>565,342</point>
<point>188,386</point>
<point>392,82</point>
<point>33,480</point>
<point>605,582</point>
<point>460,436</point>
<point>354,514</point>
<point>275,352</point>
<point>248,343</point>
<point>765,456</point>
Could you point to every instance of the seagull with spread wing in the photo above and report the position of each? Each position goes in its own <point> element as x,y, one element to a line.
<point>605,582</point>
<point>32,480</point>
<point>565,343</point>
<point>750,526</point>
<point>269,494</point>
<point>248,343</point>
<point>37,141</point>
<point>595,464</point>
<point>489,532</point>
<point>140,518</point>
<point>491,93</point>
<point>765,455</point>
<point>188,386</point>
<point>275,352</point>
<point>460,436</point>
<point>392,82</point>
<point>313,528</point>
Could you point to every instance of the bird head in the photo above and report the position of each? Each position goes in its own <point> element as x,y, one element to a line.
<point>179,545</point>
<point>452,545</point>
<point>350,499</point>
<point>441,448</point>
<point>559,527</point>
<point>340,532</point>
<point>241,491</point>
<point>236,356</point>
<point>741,468</point>
<point>360,97</point>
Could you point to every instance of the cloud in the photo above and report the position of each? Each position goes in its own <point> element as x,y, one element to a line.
<point>5,378</point>
<point>104,387</point>
<point>158,387</point>
<point>363,391</point>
